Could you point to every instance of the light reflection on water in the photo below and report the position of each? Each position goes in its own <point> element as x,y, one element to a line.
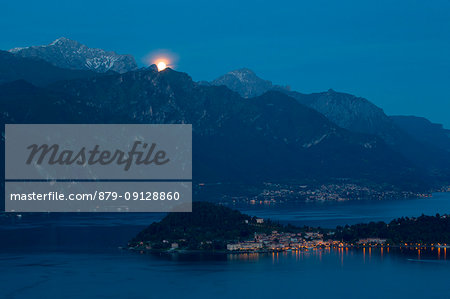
<point>76,256</point>
<point>315,273</point>
<point>364,254</point>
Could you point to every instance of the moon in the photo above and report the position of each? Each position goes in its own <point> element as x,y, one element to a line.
<point>161,65</point>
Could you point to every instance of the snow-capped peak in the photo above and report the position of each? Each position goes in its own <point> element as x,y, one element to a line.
<point>67,53</point>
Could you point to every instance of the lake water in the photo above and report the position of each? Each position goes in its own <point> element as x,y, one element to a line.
<point>76,255</point>
<point>313,274</point>
<point>332,213</point>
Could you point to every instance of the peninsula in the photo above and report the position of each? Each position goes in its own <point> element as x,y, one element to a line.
<point>212,227</point>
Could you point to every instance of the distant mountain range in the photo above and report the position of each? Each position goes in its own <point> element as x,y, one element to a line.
<point>70,54</point>
<point>36,71</point>
<point>246,83</point>
<point>424,144</point>
<point>424,131</point>
<point>249,131</point>
<point>345,110</point>
<point>271,137</point>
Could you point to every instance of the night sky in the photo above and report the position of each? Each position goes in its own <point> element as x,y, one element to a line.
<point>394,53</point>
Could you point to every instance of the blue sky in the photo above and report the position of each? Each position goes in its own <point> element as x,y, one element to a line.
<point>394,53</point>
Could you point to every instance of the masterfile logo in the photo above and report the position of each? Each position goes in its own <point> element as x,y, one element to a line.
<point>130,152</point>
<point>51,154</point>
<point>98,168</point>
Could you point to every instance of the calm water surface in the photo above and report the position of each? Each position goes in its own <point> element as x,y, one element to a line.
<point>332,213</point>
<point>314,274</point>
<point>77,255</point>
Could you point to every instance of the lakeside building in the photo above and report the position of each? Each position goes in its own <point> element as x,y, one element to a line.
<point>371,241</point>
<point>247,245</point>
<point>277,241</point>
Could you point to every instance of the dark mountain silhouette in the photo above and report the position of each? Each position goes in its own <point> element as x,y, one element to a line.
<point>246,83</point>
<point>359,115</point>
<point>355,114</point>
<point>424,131</point>
<point>270,137</point>
<point>35,70</point>
<point>22,102</point>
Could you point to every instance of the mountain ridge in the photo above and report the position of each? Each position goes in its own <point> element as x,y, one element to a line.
<point>423,130</point>
<point>36,71</point>
<point>71,54</point>
<point>269,137</point>
<point>359,115</point>
<point>240,136</point>
<point>245,82</point>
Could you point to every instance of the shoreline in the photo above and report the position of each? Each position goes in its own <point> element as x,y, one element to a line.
<point>264,251</point>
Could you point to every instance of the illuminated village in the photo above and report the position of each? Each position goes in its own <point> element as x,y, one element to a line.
<point>279,241</point>
<point>221,229</point>
<point>283,241</point>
